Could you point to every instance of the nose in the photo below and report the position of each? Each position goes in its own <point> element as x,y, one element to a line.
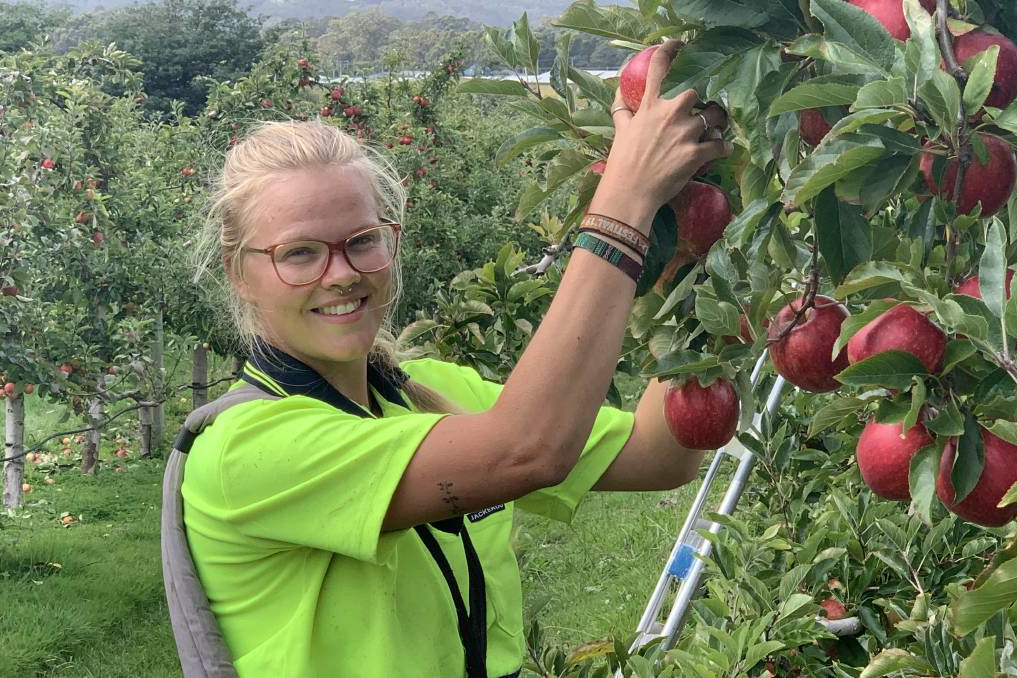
<point>338,272</point>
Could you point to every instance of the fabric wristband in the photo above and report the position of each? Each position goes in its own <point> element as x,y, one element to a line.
<point>617,230</point>
<point>612,255</point>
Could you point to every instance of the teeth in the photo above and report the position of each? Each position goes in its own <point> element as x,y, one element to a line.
<point>341,310</point>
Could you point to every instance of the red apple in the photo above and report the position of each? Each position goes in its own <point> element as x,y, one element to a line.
<point>337,93</point>
<point>701,418</point>
<point>632,78</point>
<point>804,356</point>
<point>303,63</point>
<point>29,389</point>
<point>266,103</point>
<point>834,609</point>
<point>890,13</point>
<point>66,369</point>
<point>325,111</point>
<point>10,291</point>
<point>598,167</point>
<point>990,184</point>
<point>972,286</point>
<point>702,213</point>
<point>812,126</point>
<point>884,457</point>
<point>10,387</point>
<point>999,474</point>
<point>901,328</point>
<point>97,238</point>
<point>1004,89</point>
<point>48,164</point>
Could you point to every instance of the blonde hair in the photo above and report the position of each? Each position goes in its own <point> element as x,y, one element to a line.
<point>269,150</point>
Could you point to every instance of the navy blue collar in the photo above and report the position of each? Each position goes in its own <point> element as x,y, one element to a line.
<point>276,372</point>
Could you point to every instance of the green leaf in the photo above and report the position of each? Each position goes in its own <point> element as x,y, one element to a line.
<point>942,98</point>
<point>998,592</point>
<point>891,369</point>
<point>957,351</point>
<point>843,57</point>
<point>837,91</point>
<point>922,476</point>
<point>981,663</point>
<point>857,30</point>
<point>881,94</point>
<point>718,317</point>
<point>918,395</point>
<point>523,141</point>
<point>894,660</point>
<point>525,45</point>
<point>680,292</point>
<point>592,87</point>
<point>981,70</point>
<point>714,13</point>
<point>843,235</point>
<point>743,226</point>
<point>1010,497</point>
<point>560,69</point>
<point>563,167</point>
<point>412,332</point>
<point>501,44</point>
<point>704,56</point>
<point>1007,430</point>
<point>921,53</point>
<point>663,241</point>
<point>533,194</point>
<point>615,23</point>
<point>511,88</point>
<point>969,459</point>
<point>992,268</point>
<point>835,412</point>
<point>948,423</point>
<point>871,274</point>
<point>828,163</point>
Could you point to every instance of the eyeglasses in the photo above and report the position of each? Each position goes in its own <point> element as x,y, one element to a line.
<point>303,262</point>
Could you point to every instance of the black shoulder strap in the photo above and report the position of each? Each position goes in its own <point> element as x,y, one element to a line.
<point>472,624</point>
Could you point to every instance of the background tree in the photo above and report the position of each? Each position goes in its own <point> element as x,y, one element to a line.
<point>180,41</point>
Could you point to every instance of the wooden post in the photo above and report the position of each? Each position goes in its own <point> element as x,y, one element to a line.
<point>199,377</point>
<point>145,421</point>
<point>159,380</point>
<point>14,450</point>
<point>93,439</point>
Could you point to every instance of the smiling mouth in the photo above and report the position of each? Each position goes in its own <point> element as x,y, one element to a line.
<point>340,309</point>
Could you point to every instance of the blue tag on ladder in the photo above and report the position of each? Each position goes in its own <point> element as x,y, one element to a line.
<point>682,561</point>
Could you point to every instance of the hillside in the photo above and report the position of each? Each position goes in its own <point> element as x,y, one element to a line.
<point>492,12</point>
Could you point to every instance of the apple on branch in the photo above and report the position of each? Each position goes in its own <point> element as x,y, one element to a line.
<point>804,354</point>
<point>901,328</point>
<point>884,455</point>
<point>998,476</point>
<point>701,418</point>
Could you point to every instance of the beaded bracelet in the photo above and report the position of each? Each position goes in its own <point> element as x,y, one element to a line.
<point>617,230</point>
<point>610,254</point>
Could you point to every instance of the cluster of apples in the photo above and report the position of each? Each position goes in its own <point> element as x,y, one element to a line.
<point>989,183</point>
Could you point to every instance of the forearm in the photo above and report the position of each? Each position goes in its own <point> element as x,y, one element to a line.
<point>556,389</point>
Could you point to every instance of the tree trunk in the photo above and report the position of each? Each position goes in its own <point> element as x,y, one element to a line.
<point>14,450</point>
<point>199,377</point>
<point>93,439</point>
<point>159,381</point>
<point>145,422</point>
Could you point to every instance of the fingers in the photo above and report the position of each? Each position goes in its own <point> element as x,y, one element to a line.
<point>621,114</point>
<point>660,64</point>
<point>715,115</point>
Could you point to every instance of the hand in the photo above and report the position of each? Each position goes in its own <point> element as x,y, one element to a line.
<point>658,149</point>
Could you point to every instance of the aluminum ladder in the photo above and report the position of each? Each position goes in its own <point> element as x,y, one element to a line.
<point>683,567</point>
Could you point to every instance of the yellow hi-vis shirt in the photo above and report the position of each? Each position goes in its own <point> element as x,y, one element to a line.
<point>283,505</point>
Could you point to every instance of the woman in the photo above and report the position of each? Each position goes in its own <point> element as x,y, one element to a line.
<point>299,508</point>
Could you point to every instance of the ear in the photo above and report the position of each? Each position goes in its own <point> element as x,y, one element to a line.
<point>238,282</point>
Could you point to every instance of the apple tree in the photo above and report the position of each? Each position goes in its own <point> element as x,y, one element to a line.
<point>862,235</point>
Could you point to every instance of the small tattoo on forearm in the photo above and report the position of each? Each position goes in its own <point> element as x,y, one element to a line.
<point>449,496</point>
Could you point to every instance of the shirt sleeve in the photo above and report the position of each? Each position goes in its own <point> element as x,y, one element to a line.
<point>297,472</point>
<point>610,432</point>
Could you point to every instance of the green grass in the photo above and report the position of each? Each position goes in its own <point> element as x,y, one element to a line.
<point>87,599</point>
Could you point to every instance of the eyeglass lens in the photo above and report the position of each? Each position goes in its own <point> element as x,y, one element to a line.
<point>302,262</point>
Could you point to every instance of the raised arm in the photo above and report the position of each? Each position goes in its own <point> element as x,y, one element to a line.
<point>533,435</point>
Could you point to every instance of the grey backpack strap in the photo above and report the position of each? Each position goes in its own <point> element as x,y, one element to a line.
<point>203,653</point>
